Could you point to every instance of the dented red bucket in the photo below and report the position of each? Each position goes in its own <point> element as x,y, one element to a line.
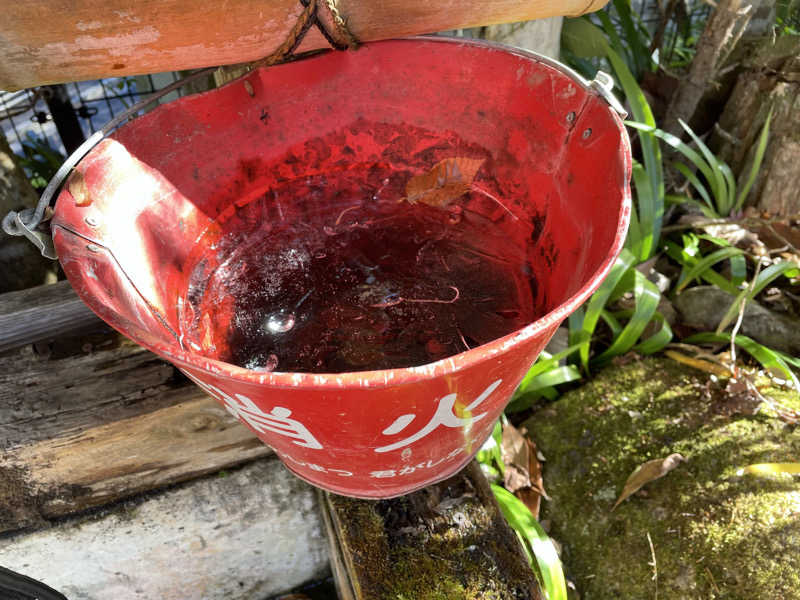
<point>492,166</point>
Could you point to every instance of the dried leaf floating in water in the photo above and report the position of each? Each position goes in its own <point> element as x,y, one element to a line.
<point>447,180</point>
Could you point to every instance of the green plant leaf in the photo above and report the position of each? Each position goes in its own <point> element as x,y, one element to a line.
<point>757,160</point>
<point>647,212</point>
<point>764,278</point>
<point>768,358</point>
<point>638,41</point>
<point>681,257</point>
<point>522,521</point>
<point>647,297</point>
<point>612,322</point>
<point>651,152</point>
<point>715,178</point>
<point>490,455</point>
<point>730,185</point>
<point>659,340</point>
<point>616,45</point>
<point>583,38</point>
<point>706,263</point>
<point>598,301</point>
<point>697,185</point>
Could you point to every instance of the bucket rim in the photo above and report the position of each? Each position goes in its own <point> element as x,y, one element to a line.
<point>196,363</point>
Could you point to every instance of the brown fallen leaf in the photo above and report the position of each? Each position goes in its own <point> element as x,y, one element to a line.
<point>446,181</point>
<point>523,471</point>
<point>649,471</point>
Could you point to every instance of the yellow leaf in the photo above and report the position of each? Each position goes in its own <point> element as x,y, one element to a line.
<point>446,181</point>
<point>649,471</point>
<point>702,365</point>
<point>770,469</point>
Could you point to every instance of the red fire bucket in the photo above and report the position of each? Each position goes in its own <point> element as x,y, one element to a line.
<point>178,190</point>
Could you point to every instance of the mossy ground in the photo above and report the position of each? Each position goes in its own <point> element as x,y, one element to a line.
<point>714,534</point>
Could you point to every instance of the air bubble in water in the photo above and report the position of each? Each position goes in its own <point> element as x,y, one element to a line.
<point>279,322</point>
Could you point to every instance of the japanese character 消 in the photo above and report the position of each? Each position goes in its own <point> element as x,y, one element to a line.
<point>276,421</point>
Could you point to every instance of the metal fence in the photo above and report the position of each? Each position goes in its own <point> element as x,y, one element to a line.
<point>27,117</point>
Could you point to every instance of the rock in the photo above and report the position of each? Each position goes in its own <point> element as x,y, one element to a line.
<point>714,534</point>
<point>542,35</point>
<point>703,307</point>
<point>253,533</point>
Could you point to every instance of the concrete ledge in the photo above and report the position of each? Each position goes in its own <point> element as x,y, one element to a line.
<point>248,535</point>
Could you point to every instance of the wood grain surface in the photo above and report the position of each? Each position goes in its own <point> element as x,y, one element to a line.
<point>51,41</point>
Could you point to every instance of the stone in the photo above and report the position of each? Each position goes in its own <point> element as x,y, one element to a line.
<point>715,534</point>
<point>251,533</point>
<point>703,306</point>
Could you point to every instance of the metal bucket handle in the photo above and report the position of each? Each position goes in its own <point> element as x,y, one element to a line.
<point>26,221</point>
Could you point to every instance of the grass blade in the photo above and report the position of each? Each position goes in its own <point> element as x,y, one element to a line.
<point>764,278</point>
<point>651,152</point>
<point>705,264</point>
<point>696,184</point>
<point>522,521</point>
<point>770,359</point>
<point>647,297</point>
<point>675,142</point>
<point>676,253</point>
<point>757,160</point>
<point>716,179</point>
<point>647,213</point>
<point>639,52</point>
<point>658,340</point>
<point>730,180</point>
<point>598,302</point>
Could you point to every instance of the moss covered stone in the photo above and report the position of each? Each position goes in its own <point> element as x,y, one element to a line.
<point>715,534</point>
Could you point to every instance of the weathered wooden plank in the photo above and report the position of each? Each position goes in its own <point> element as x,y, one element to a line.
<point>49,41</point>
<point>76,383</point>
<point>448,540</point>
<point>42,313</point>
<point>344,587</point>
<point>68,474</point>
<point>248,535</point>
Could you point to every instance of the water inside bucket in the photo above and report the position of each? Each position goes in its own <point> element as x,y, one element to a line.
<point>344,271</point>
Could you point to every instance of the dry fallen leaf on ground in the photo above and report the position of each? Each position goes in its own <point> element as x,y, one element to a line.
<point>523,472</point>
<point>649,471</point>
<point>446,181</point>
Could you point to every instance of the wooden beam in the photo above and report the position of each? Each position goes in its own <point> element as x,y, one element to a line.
<point>91,418</point>
<point>65,475</point>
<point>448,540</point>
<point>52,41</point>
<point>41,313</point>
